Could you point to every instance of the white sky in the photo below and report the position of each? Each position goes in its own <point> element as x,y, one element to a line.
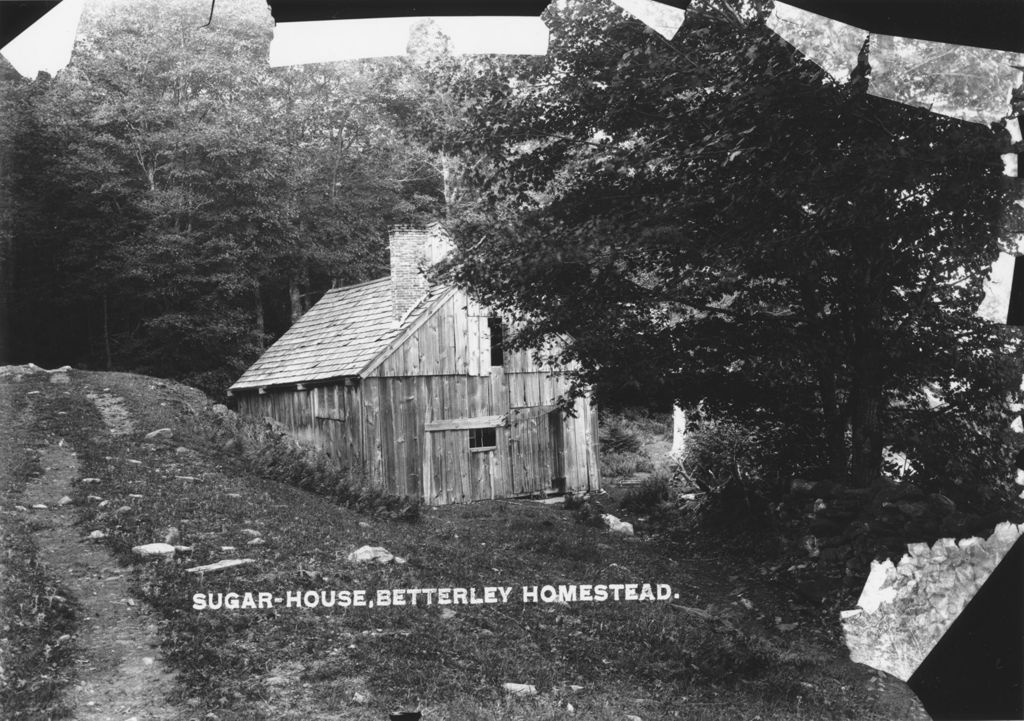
<point>331,40</point>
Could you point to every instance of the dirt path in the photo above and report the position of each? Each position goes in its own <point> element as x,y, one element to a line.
<point>113,412</point>
<point>120,675</point>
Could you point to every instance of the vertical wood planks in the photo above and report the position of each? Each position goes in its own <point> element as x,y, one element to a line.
<point>473,345</point>
<point>460,321</point>
<point>593,447</point>
<point>485,345</point>
<point>372,452</point>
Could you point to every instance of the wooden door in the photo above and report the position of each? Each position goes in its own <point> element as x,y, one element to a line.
<point>535,449</point>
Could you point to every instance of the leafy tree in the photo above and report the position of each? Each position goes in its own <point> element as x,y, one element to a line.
<point>188,201</point>
<point>717,218</point>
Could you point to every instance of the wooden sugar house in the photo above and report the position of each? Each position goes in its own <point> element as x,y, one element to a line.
<point>408,386</point>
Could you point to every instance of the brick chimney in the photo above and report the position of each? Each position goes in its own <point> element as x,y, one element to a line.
<point>413,250</point>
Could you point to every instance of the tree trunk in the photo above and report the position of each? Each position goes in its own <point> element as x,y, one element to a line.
<point>834,426</point>
<point>833,414</point>
<point>866,397</point>
<point>6,284</point>
<point>260,319</point>
<point>106,334</point>
<point>296,300</point>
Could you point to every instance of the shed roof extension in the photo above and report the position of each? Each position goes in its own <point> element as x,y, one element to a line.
<point>338,337</point>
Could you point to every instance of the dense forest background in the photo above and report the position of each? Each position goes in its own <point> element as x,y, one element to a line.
<point>172,203</point>
<point>713,220</point>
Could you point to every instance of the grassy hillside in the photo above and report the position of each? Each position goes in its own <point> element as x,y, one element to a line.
<point>713,650</point>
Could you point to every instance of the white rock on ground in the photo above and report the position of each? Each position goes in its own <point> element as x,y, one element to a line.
<point>64,501</point>
<point>520,689</point>
<point>221,565</point>
<point>160,433</point>
<point>377,554</point>
<point>616,526</point>
<point>153,549</point>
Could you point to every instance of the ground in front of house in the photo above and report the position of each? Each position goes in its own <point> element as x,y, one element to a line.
<point>726,644</point>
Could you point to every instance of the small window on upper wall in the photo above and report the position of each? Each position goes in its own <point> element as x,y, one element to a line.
<point>483,438</point>
<point>497,341</point>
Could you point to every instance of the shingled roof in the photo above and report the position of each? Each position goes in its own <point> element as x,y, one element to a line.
<point>338,337</point>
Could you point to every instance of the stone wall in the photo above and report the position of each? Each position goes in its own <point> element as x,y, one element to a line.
<point>905,608</point>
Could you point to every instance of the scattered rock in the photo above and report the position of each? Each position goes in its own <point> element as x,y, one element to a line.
<point>221,565</point>
<point>20,508</point>
<point>256,542</point>
<point>65,501</point>
<point>93,498</point>
<point>251,532</point>
<point>159,433</point>
<point>134,462</point>
<point>103,504</point>
<point>227,549</point>
<point>785,627</point>
<point>520,689</point>
<point>368,554</point>
<point>181,450</point>
<point>135,495</point>
<point>364,524</point>
<point>97,535</point>
<point>154,549</point>
<point>233,495</point>
<point>631,717</point>
<point>91,480</point>
<point>359,698</point>
<point>275,680</point>
<point>183,549</point>
<point>616,526</point>
<point>123,509</point>
<point>40,506</point>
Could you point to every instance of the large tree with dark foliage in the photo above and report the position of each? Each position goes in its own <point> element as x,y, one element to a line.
<point>714,217</point>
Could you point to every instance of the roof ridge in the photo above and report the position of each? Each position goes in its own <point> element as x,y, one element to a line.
<point>359,285</point>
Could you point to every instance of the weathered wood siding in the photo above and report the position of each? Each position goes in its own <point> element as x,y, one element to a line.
<point>290,408</point>
<point>442,372</point>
